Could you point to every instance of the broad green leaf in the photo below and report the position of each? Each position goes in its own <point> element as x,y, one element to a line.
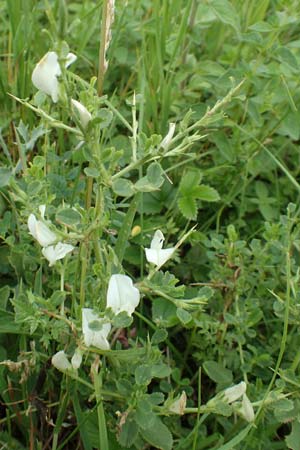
<point>154,174</point>
<point>189,180</point>
<point>160,370</point>
<point>144,416</point>
<point>205,193</point>
<point>225,11</point>
<point>68,216</point>
<point>143,375</point>
<point>5,175</point>
<point>158,435</point>
<point>4,296</point>
<point>218,373</point>
<point>124,232</point>
<point>184,316</point>
<point>123,187</point>
<point>91,172</point>
<point>160,335</point>
<point>129,432</point>
<point>293,439</point>
<point>188,207</point>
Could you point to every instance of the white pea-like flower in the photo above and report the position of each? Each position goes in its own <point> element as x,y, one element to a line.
<point>233,393</point>
<point>45,73</point>
<point>95,330</point>
<point>61,362</point>
<point>156,254</point>
<point>122,295</point>
<point>76,359</point>
<point>178,406</point>
<point>55,252</point>
<point>246,409</point>
<point>40,231</point>
<point>167,139</point>
<point>84,115</point>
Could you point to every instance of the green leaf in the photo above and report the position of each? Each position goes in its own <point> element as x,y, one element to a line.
<point>154,174</point>
<point>124,232</point>
<point>123,187</point>
<point>188,207</point>
<point>7,323</point>
<point>205,193</point>
<point>184,316</point>
<point>129,432</point>
<point>189,180</point>
<point>144,416</point>
<point>5,175</point>
<point>4,296</point>
<point>143,375</point>
<point>68,216</point>
<point>160,335</point>
<point>293,439</point>
<point>225,11</point>
<point>160,370</point>
<point>218,373</point>
<point>91,172</point>
<point>158,435</point>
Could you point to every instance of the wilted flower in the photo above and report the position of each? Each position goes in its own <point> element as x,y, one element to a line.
<point>235,392</point>
<point>246,409</point>
<point>76,359</point>
<point>122,295</point>
<point>178,406</point>
<point>167,139</point>
<point>40,231</point>
<point>156,254</point>
<point>45,73</point>
<point>95,330</point>
<point>60,361</point>
<point>55,252</point>
<point>84,115</point>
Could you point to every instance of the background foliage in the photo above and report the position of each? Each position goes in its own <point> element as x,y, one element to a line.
<point>237,184</point>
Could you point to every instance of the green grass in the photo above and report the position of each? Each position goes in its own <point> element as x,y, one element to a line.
<point>225,307</point>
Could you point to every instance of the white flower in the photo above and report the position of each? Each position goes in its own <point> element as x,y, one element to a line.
<point>76,359</point>
<point>45,73</point>
<point>178,406</point>
<point>60,361</point>
<point>40,231</point>
<point>235,392</point>
<point>54,253</point>
<point>167,139</point>
<point>95,330</point>
<point>156,254</point>
<point>246,409</point>
<point>122,295</point>
<point>84,115</point>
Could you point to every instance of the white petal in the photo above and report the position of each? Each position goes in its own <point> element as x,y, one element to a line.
<point>54,253</point>
<point>167,139</point>
<point>157,240</point>
<point>159,257</point>
<point>235,392</point>
<point>70,59</point>
<point>84,115</point>
<point>247,409</point>
<point>32,225</point>
<point>44,235</point>
<point>76,359</point>
<point>45,73</point>
<point>122,295</point>
<point>42,209</point>
<point>91,337</point>
<point>60,361</point>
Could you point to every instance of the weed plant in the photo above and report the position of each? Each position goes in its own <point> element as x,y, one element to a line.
<point>149,232</point>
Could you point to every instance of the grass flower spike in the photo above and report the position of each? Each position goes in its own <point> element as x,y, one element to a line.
<point>55,252</point>
<point>156,254</point>
<point>95,330</point>
<point>122,295</point>
<point>84,115</point>
<point>40,231</point>
<point>45,73</point>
